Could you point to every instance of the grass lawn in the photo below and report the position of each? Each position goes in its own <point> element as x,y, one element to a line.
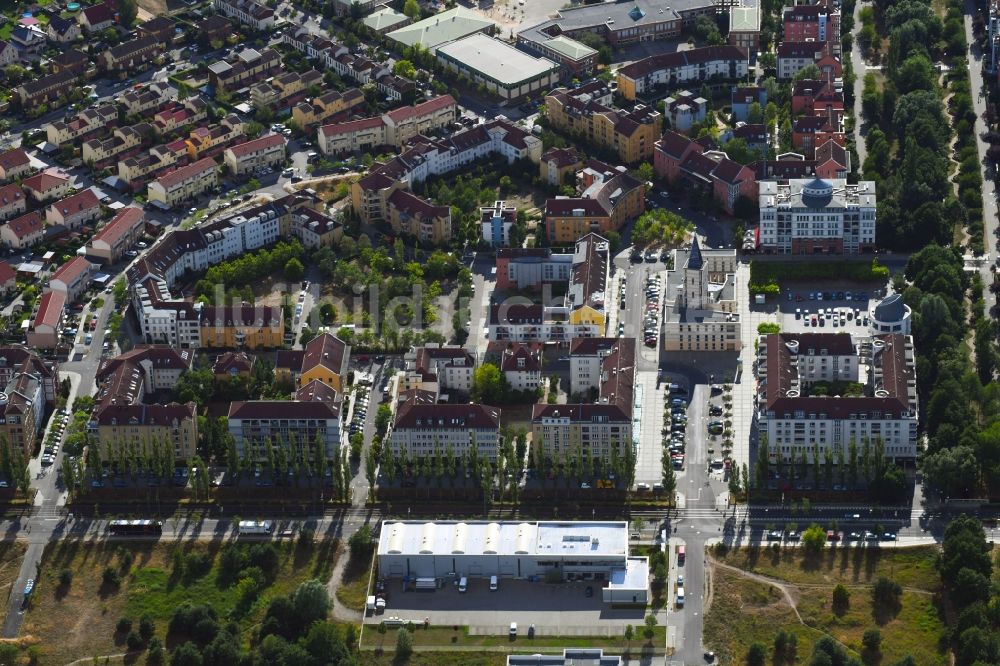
<point>353,588</point>
<point>910,567</point>
<point>450,636</point>
<point>80,621</point>
<point>744,611</point>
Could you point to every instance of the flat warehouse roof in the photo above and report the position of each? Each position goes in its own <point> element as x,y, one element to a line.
<point>495,59</point>
<point>496,538</point>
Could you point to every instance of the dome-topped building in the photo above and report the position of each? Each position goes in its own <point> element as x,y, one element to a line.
<point>890,315</point>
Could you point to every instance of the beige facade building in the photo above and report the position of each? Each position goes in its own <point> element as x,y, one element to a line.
<point>265,151</point>
<point>184,183</point>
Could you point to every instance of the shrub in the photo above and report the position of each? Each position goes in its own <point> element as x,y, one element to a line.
<point>124,625</point>
<point>66,577</point>
<point>110,577</point>
<point>404,644</point>
<point>147,627</point>
<point>841,599</point>
<point>133,641</point>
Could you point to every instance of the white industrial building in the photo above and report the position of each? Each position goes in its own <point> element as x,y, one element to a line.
<point>536,551</point>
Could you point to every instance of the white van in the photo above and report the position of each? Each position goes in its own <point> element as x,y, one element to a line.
<point>680,597</point>
<point>463,584</point>
<point>493,583</point>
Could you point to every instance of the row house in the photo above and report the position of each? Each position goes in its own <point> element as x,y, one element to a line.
<point>247,67</point>
<point>75,210</point>
<point>47,185</point>
<point>210,141</point>
<point>14,164</point>
<point>247,12</point>
<point>72,278</point>
<point>123,142</point>
<point>326,108</point>
<point>285,90</point>
<point>678,158</point>
<point>75,61</point>
<point>314,46</point>
<point>681,67</point>
<point>184,183</point>
<point>794,56</point>
<point>137,170</point>
<point>46,321</point>
<point>62,31</point>
<point>412,216</point>
<point>160,28</point>
<point>393,128</point>
<point>132,56</point>
<point>115,238</point>
<point>177,115</point>
<point>12,201</point>
<point>84,125</point>
<point>629,134</point>
<point>23,232</point>
<point>244,157</point>
<point>155,96</point>
<point>46,89</point>
<point>395,88</point>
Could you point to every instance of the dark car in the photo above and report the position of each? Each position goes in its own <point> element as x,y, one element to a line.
<point>589,592</point>
<point>635,257</point>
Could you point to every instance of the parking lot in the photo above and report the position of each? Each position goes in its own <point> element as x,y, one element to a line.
<point>840,311</point>
<point>554,609</point>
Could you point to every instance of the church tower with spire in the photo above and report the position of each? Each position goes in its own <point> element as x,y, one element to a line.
<point>694,279</point>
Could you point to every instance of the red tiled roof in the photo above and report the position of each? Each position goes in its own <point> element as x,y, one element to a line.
<point>415,414</point>
<point>422,109</point>
<point>14,158</point>
<point>75,203</point>
<point>352,126</point>
<point>99,13</point>
<point>50,309</point>
<point>26,224</point>
<point>179,175</point>
<point>263,143</point>
<point>119,225</point>
<point>71,270</point>
<point>327,350</point>
<point>6,273</point>
<point>44,181</point>
<point>10,193</point>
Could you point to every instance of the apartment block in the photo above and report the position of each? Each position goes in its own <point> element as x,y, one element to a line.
<point>243,69</point>
<point>134,55</point>
<point>798,372</point>
<point>629,134</point>
<point>393,128</point>
<point>610,198</point>
<point>496,221</point>
<point>282,423</point>
<point>438,369</point>
<point>601,427</point>
<point>46,90</point>
<point>329,106</point>
<point>242,327</point>
<point>417,218</point>
<point>679,159</point>
<point>423,428</point>
<point>682,67</point>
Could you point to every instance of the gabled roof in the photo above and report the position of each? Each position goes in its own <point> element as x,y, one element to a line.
<point>97,14</point>
<point>327,351</point>
<point>14,158</point>
<point>673,144</point>
<point>427,108</point>
<point>27,224</point>
<point>77,203</point>
<point>180,175</point>
<point>518,358</point>
<point>6,273</point>
<point>126,219</point>
<point>44,181</point>
<point>50,309</point>
<point>71,270</point>
<point>10,194</point>
<point>415,414</point>
<point>352,126</point>
<point>262,143</point>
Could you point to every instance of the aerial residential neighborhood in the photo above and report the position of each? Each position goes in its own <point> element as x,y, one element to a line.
<point>500,332</point>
